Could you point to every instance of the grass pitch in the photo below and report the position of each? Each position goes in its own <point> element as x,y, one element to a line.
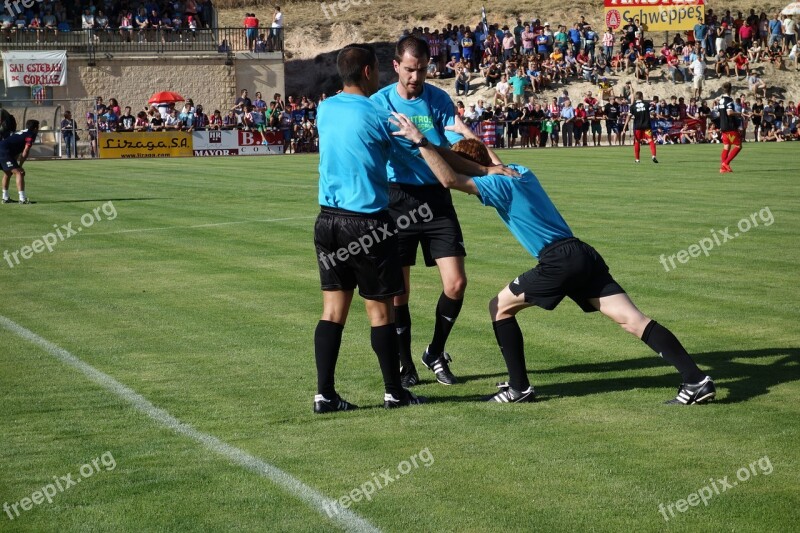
<point>201,294</point>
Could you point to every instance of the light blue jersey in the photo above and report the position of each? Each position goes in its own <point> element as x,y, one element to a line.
<point>525,208</point>
<point>431,111</point>
<point>355,142</point>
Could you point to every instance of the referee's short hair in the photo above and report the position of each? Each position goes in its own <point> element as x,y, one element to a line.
<point>474,150</point>
<point>418,48</point>
<point>351,62</point>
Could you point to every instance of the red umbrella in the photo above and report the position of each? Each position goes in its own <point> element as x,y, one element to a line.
<point>165,97</point>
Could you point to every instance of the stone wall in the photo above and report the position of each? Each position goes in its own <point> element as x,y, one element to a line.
<point>206,79</point>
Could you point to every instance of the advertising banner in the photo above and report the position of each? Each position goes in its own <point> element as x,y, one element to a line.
<point>133,145</point>
<point>26,69</point>
<point>655,15</point>
<point>236,142</point>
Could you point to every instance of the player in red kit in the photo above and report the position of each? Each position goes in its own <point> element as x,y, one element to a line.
<point>641,113</point>
<point>729,126</point>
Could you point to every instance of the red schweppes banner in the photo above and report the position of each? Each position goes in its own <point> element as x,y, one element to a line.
<point>655,15</point>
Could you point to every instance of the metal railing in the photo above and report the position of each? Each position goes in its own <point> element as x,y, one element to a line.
<point>151,41</point>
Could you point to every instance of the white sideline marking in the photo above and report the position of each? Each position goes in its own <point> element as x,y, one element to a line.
<point>346,518</point>
<point>164,228</point>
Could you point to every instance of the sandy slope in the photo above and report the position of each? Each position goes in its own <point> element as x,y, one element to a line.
<point>315,34</point>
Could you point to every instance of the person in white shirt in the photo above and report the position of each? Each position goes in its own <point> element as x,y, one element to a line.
<point>471,114</point>
<point>87,20</point>
<point>276,33</point>
<point>789,33</point>
<point>173,122</point>
<point>698,67</point>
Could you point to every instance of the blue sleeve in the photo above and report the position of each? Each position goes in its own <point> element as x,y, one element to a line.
<point>447,113</point>
<point>494,191</point>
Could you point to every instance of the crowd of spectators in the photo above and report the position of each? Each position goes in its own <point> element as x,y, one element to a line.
<point>534,56</point>
<point>523,62</point>
<point>590,119</point>
<point>291,122</point>
<point>128,18</point>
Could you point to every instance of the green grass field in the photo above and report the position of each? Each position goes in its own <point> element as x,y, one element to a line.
<point>197,288</point>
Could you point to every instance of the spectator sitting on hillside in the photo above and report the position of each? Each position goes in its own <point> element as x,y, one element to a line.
<point>755,53</point>
<point>741,66</point>
<point>756,85</point>
<point>723,64</point>
<point>775,54</point>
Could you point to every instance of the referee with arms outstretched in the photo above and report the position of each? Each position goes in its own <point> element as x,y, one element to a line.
<point>355,238</point>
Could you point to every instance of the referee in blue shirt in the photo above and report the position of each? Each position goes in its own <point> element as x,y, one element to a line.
<point>414,187</point>
<point>567,267</point>
<point>355,238</point>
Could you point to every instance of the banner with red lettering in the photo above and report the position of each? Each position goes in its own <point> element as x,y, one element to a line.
<point>655,15</point>
<point>26,69</point>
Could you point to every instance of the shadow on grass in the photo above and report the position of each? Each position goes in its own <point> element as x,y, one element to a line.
<point>740,372</point>
<point>102,200</point>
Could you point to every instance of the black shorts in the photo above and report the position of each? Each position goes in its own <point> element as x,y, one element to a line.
<point>568,267</point>
<point>8,163</point>
<point>425,216</point>
<point>358,249</point>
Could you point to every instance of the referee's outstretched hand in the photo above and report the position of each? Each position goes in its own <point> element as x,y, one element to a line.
<point>405,128</point>
<point>461,128</point>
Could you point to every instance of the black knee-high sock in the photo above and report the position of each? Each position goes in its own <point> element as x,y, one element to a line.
<point>327,340</point>
<point>447,311</point>
<point>402,321</point>
<point>664,343</point>
<point>384,342</point>
<point>509,338</point>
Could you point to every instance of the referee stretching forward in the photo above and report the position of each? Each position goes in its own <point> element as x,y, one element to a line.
<point>355,237</point>
<point>567,267</point>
